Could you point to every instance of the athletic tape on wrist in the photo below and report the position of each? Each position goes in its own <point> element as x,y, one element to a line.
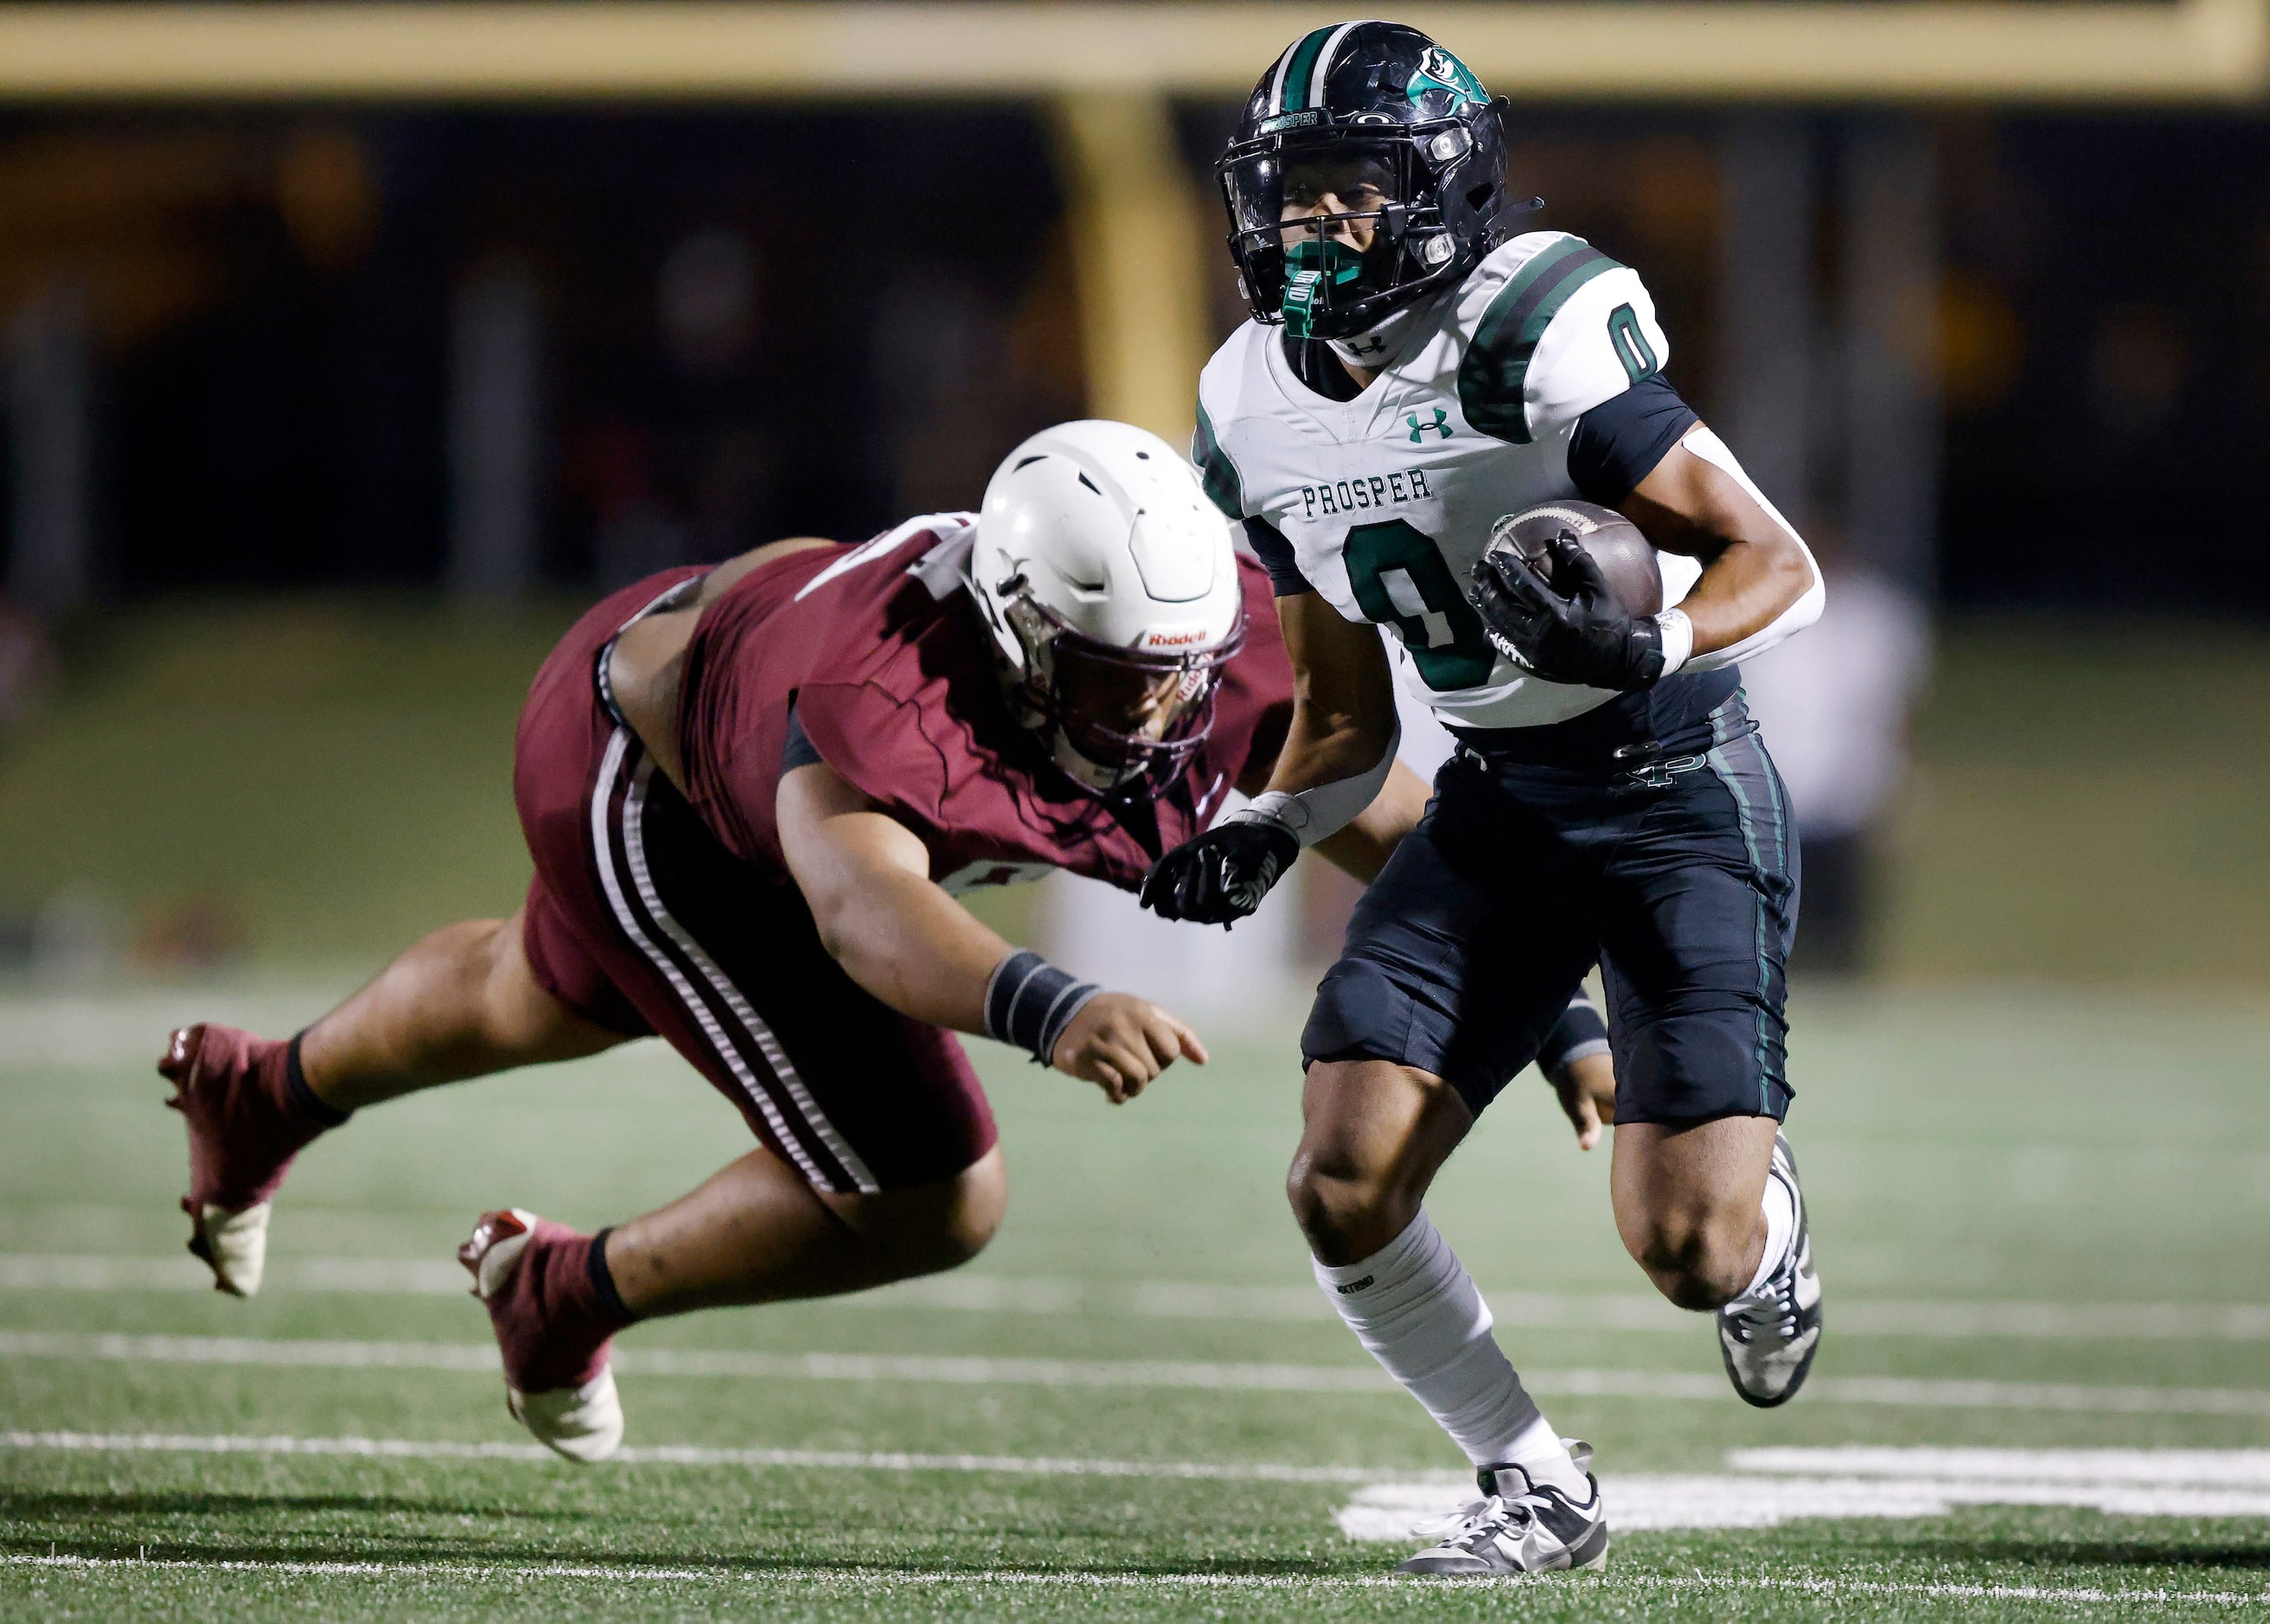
<point>1678,639</point>
<point>1311,815</point>
<point>1029,1002</point>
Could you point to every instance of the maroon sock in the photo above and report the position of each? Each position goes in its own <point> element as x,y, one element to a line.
<point>276,1115</point>
<point>250,1112</point>
<point>556,1317</point>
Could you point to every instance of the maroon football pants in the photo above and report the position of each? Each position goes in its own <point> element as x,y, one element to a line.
<point>639,919</point>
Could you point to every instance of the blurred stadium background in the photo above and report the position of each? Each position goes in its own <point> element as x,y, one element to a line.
<point>349,350</point>
<point>335,333</point>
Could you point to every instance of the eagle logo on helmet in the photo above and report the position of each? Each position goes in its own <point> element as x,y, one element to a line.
<point>1438,70</point>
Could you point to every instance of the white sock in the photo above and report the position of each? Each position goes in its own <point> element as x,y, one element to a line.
<point>1780,1209</point>
<point>1416,1310</point>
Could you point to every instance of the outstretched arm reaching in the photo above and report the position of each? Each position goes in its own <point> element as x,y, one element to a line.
<point>866,877</point>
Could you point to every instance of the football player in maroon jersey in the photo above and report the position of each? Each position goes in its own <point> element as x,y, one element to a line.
<point>750,793</point>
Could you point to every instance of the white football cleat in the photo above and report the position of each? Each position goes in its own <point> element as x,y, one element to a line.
<point>1767,1340</point>
<point>1517,1527</point>
<point>233,1245</point>
<point>582,1423</point>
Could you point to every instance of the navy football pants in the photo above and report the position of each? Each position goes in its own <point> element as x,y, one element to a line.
<point>1680,879</point>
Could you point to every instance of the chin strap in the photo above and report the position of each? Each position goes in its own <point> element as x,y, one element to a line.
<point>1088,774</point>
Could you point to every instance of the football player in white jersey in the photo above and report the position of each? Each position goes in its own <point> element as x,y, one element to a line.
<point>1412,372</point>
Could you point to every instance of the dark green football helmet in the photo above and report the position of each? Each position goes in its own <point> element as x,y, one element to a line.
<point>1368,170</point>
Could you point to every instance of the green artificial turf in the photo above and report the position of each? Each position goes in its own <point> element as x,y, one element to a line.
<point>1976,1149</point>
<point>331,777</point>
<point>2086,805</point>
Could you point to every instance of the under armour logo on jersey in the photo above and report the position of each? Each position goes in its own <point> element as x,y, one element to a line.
<point>1420,431</point>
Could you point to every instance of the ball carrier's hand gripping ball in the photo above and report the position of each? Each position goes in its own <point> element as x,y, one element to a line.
<point>1393,134</point>
<point>1109,584</point>
<point>1571,590</point>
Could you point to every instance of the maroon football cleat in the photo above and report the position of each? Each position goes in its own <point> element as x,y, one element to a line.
<point>245,1127</point>
<point>534,1278</point>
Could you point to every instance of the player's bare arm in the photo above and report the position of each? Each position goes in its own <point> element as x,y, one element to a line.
<point>866,877</point>
<point>1556,613</point>
<point>1343,696</point>
<point>1339,755</point>
<point>1586,1089</point>
<point>1755,568</point>
<point>1360,850</point>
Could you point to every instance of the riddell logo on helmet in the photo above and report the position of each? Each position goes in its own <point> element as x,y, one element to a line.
<point>1173,639</point>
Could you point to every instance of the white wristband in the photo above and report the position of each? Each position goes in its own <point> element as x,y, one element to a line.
<point>1678,639</point>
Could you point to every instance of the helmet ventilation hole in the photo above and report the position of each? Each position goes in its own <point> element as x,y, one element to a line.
<point>1091,484</point>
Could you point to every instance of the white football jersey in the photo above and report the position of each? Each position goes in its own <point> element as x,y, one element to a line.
<point>1387,500</point>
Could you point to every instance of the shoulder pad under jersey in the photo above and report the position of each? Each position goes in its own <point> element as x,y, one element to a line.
<point>1555,327</point>
<point>1224,388</point>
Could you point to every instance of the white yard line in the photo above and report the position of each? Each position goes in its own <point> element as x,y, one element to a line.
<point>1177,1300</point>
<point>690,1455</point>
<point>2063,1396</point>
<point>1770,1486</point>
<point>1388,1512</point>
<point>482,1356</point>
<point>1895,1392</point>
<point>884,1579</point>
<point>375,1276</point>
<point>2136,1468</point>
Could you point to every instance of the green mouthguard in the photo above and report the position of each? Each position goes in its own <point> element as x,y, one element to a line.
<point>1312,270</point>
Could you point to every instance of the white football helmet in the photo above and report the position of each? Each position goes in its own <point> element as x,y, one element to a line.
<point>1111,586</point>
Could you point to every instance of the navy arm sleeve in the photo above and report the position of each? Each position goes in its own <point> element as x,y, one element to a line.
<point>1618,442</point>
<point>1276,555</point>
<point>1579,1032</point>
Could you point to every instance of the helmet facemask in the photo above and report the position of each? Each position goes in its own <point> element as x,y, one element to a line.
<point>1120,723</point>
<point>1332,276</point>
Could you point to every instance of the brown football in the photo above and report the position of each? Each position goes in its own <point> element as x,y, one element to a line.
<point>1614,542</point>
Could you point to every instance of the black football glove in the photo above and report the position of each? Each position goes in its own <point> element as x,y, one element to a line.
<point>1569,628</point>
<point>1220,875</point>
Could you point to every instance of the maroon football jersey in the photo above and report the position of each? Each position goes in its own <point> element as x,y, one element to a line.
<point>896,688</point>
